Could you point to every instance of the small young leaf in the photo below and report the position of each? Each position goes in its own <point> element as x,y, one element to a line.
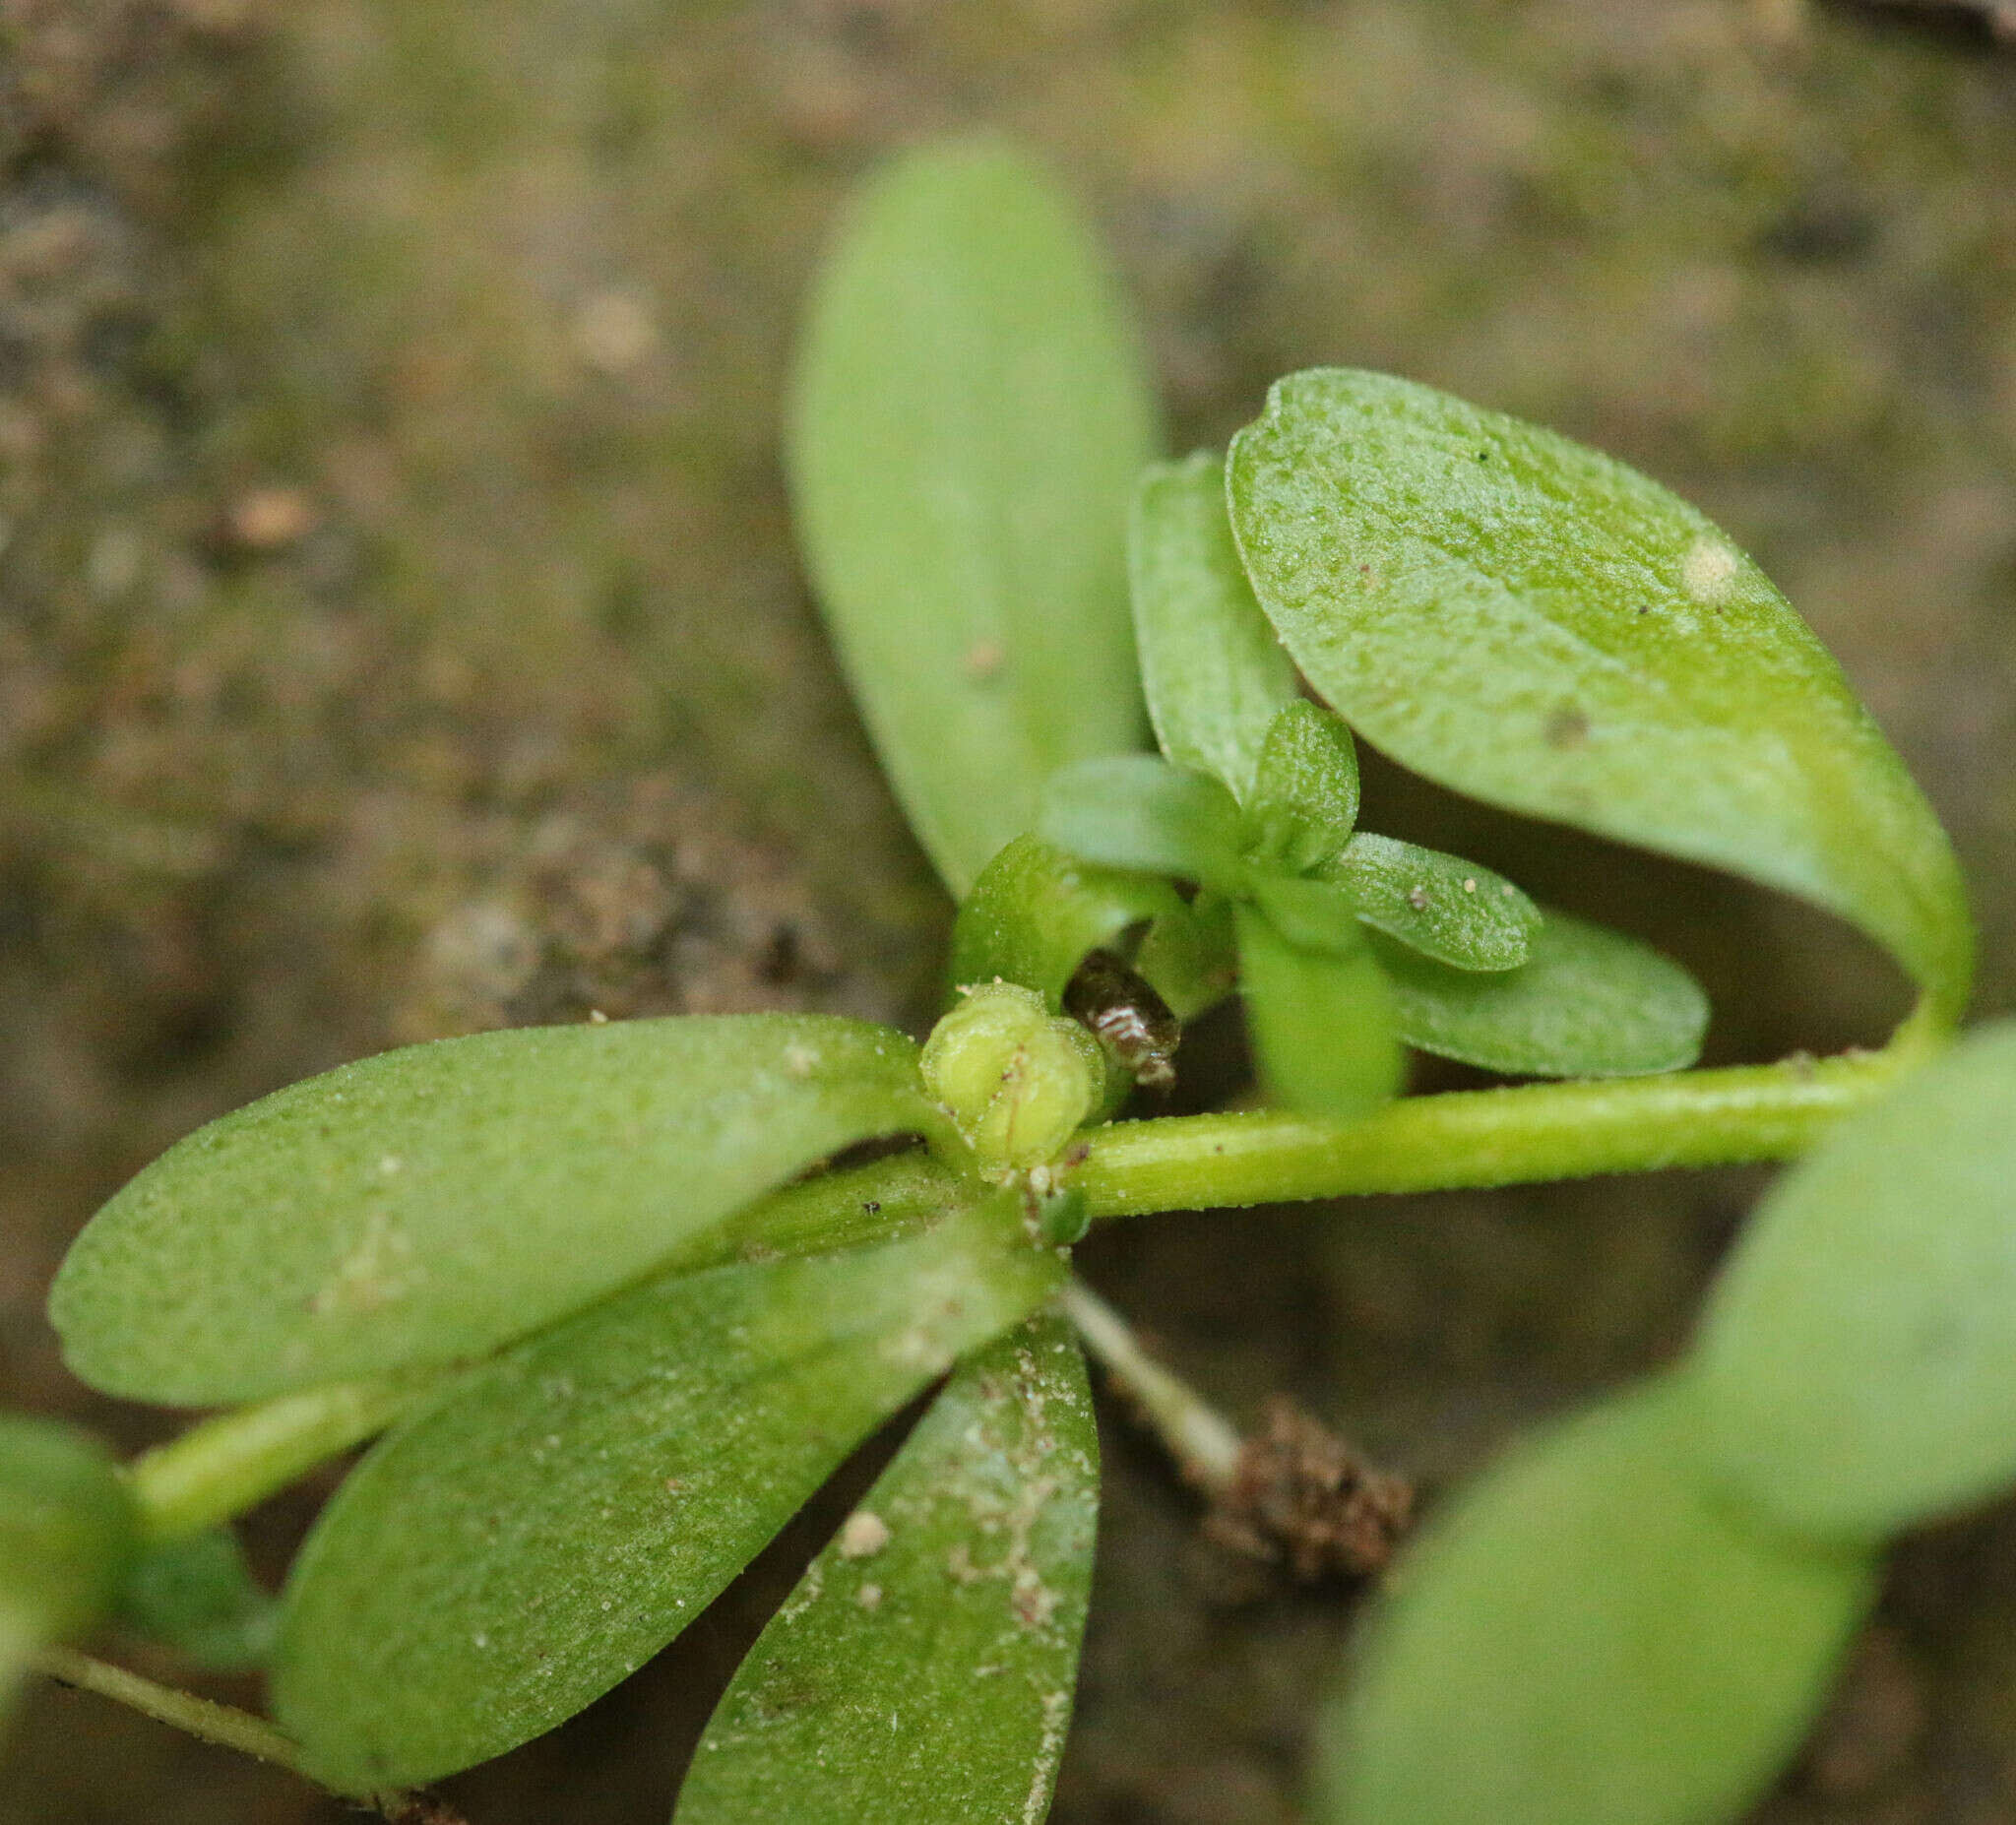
<point>198,1596</point>
<point>1442,907</point>
<point>1192,962</point>
<point>969,414</point>
<point>559,1515</point>
<point>1312,915</point>
<point>1587,1639</point>
<point>1588,1002</point>
<point>429,1204</point>
<point>1857,1360</point>
<point>1538,626</point>
<point>67,1533</point>
<point>1321,1022</point>
<point>1137,812</point>
<point>1214,673</point>
<point>1036,914</point>
<point>1305,790</point>
<point>922,1671</point>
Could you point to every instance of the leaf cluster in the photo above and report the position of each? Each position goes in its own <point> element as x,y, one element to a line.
<point>619,1301</point>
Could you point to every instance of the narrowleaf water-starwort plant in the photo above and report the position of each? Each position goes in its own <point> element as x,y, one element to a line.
<point>615,1300</point>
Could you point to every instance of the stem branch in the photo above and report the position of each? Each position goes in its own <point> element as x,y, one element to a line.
<point>223,1466</point>
<point>226,1725</point>
<point>1205,1444</point>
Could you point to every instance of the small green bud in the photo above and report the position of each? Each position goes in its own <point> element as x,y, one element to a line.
<point>1017,1081</point>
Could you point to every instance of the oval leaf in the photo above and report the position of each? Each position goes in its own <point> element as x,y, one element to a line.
<point>1441,907</point>
<point>1213,670</point>
<point>924,1669</point>
<point>1857,1358</point>
<point>1588,1640</point>
<point>429,1204</point>
<point>1531,623</point>
<point>67,1533</point>
<point>970,414</point>
<point>1133,811</point>
<point>1321,1022</point>
<point>1305,790</point>
<point>561,1513</point>
<point>1036,914</point>
<point>1588,1002</point>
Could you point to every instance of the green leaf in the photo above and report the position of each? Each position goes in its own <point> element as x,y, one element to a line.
<point>1539,627</point>
<point>1589,1003</point>
<point>559,1515</point>
<point>197,1595</point>
<point>1213,670</point>
<point>67,1533</point>
<point>1193,962</point>
<point>1312,915</point>
<point>1857,1360</point>
<point>969,414</point>
<point>429,1204</point>
<point>1137,812</point>
<point>1305,790</point>
<point>1321,1022</point>
<point>1441,906</point>
<point>1589,1640</point>
<point>1036,913</point>
<point>853,1207</point>
<point>924,1669</point>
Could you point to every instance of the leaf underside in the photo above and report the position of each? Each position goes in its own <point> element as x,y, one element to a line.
<point>1535,625</point>
<point>558,1516</point>
<point>427,1205</point>
<point>924,1669</point>
<point>970,414</point>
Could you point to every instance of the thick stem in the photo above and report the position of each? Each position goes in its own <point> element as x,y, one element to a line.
<point>1486,1137</point>
<point>1204,1443</point>
<point>224,1466</point>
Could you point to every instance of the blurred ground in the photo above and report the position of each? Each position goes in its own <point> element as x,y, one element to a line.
<point>400,634</point>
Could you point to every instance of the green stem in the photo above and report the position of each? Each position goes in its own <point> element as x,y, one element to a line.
<point>1512,1136</point>
<point>224,1466</point>
<point>226,1725</point>
<point>223,1725</point>
<point>1204,1443</point>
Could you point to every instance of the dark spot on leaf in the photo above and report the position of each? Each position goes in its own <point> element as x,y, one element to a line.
<point>1568,728</point>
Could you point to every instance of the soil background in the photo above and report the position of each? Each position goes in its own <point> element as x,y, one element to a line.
<point>399,635</point>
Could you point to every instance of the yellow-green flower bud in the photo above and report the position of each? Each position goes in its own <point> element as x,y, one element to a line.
<point>1017,1081</point>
